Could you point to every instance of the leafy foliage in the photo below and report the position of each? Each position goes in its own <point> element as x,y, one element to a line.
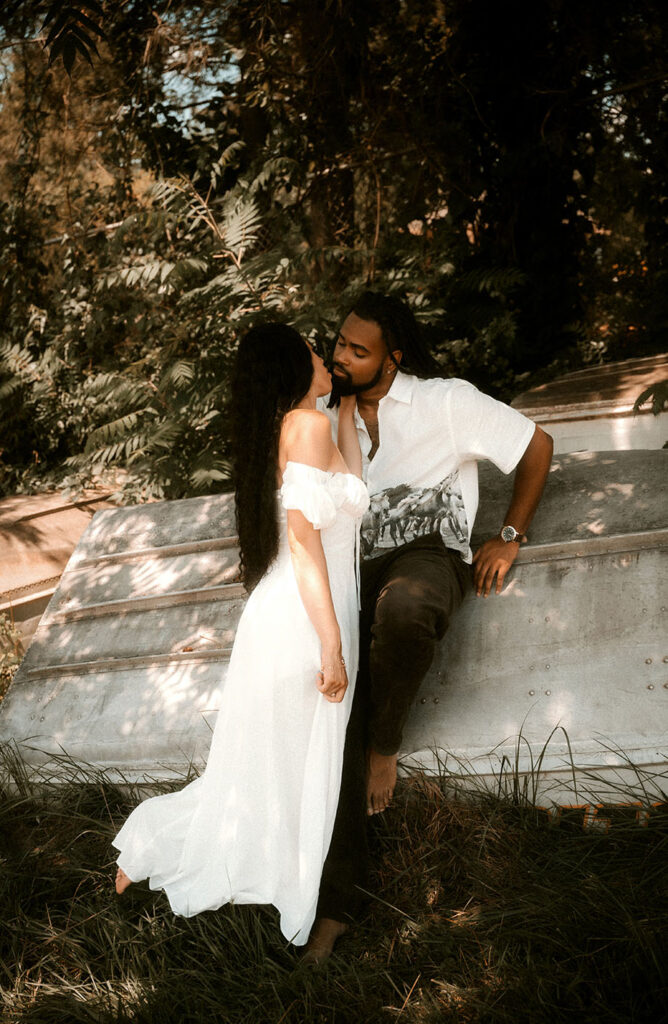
<point>11,651</point>
<point>72,31</point>
<point>657,394</point>
<point>500,166</point>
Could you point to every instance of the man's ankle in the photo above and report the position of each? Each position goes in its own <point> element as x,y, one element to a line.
<point>324,935</point>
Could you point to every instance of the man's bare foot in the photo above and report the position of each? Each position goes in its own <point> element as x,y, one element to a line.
<point>122,881</point>
<point>321,941</point>
<point>380,781</point>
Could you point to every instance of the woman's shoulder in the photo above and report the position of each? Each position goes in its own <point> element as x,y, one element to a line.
<point>306,425</point>
<point>306,436</point>
<point>305,419</point>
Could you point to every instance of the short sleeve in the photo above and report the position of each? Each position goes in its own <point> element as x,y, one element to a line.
<point>305,489</point>
<point>484,428</point>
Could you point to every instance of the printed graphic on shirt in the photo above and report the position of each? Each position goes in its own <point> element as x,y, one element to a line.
<point>398,515</point>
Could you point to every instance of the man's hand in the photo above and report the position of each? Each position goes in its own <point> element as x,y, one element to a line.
<point>494,558</point>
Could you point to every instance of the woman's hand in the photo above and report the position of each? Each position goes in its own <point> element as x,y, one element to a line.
<point>347,405</point>
<point>333,679</point>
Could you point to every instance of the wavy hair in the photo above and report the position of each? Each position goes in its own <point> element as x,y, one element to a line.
<point>272,373</point>
<point>400,330</point>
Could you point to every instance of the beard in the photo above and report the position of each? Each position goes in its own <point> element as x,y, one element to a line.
<point>344,386</point>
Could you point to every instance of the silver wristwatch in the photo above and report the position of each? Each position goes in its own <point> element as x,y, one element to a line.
<point>509,533</point>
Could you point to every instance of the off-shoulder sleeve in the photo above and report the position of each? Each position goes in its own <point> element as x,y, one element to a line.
<point>305,489</point>
<point>349,493</point>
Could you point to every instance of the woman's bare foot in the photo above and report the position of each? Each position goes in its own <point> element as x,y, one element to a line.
<point>380,781</point>
<point>122,881</point>
<point>321,941</point>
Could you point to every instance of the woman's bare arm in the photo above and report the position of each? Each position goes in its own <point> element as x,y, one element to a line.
<point>307,438</point>
<point>310,566</point>
<point>348,441</point>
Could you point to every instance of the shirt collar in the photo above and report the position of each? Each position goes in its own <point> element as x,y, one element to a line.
<point>401,389</point>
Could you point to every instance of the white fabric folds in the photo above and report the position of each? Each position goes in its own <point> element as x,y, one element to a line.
<point>319,495</point>
<point>256,826</point>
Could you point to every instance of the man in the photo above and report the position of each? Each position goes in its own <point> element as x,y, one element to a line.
<point>421,437</point>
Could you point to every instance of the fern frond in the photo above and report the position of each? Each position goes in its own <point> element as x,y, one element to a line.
<point>15,359</point>
<point>179,374</point>
<point>187,269</point>
<point>199,478</point>
<point>113,431</point>
<point>9,387</point>
<point>276,165</point>
<point>240,226</point>
<point>164,436</point>
<point>105,455</point>
<point>496,281</point>
<point>228,158</point>
<point>123,392</point>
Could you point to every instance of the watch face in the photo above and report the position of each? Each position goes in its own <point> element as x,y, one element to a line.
<point>509,533</point>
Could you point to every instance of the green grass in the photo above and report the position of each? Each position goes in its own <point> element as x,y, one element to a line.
<point>482,910</point>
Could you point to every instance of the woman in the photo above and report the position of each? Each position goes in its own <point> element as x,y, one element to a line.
<point>256,826</point>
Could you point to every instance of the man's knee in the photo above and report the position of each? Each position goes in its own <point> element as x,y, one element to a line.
<point>407,610</point>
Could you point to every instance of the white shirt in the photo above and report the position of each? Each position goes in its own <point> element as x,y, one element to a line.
<point>424,476</point>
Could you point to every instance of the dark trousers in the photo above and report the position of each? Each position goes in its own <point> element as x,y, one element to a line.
<point>407,597</point>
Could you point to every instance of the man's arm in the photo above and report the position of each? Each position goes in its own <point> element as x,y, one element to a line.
<point>496,556</point>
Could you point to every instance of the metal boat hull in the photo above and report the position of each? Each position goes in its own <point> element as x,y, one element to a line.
<point>127,666</point>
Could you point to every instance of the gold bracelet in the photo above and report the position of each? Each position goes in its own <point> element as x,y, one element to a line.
<point>342,662</point>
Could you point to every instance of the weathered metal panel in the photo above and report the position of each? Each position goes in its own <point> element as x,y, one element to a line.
<point>129,661</point>
<point>107,580</point>
<point>158,525</point>
<point>576,644</point>
<point>144,719</point>
<point>592,409</point>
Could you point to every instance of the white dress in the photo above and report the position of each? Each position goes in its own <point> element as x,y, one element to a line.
<point>255,827</point>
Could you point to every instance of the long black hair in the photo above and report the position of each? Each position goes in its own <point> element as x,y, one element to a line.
<point>400,330</point>
<point>272,373</point>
